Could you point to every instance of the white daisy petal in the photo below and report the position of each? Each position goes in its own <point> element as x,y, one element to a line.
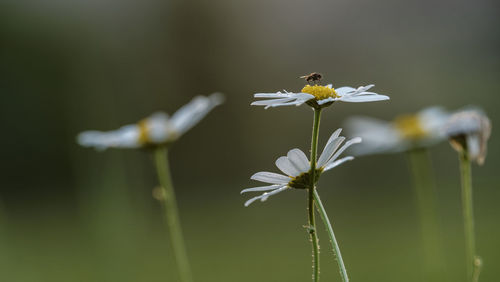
<point>299,160</point>
<point>329,149</point>
<point>324,101</point>
<point>286,166</point>
<point>334,135</point>
<point>344,90</point>
<point>268,102</point>
<point>291,103</point>
<point>281,99</point>
<point>159,128</point>
<point>266,195</point>
<point>363,98</point>
<point>190,114</point>
<point>272,95</point>
<point>337,163</point>
<point>125,137</point>
<point>270,177</point>
<point>364,88</point>
<point>261,188</point>
<point>473,142</point>
<point>342,149</point>
<point>247,203</point>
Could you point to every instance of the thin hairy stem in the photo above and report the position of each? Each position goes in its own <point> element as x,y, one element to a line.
<point>310,207</point>
<point>333,240</point>
<point>171,214</point>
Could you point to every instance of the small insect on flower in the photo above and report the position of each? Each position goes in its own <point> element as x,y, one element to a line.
<point>318,96</point>
<point>404,133</point>
<point>314,77</point>
<point>296,168</point>
<point>157,129</point>
<point>469,131</point>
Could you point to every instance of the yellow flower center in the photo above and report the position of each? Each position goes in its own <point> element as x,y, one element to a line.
<point>143,132</point>
<point>303,181</point>
<point>409,127</point>
<point>319,92</point>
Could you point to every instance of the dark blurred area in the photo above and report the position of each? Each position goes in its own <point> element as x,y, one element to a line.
<point>69,213</point>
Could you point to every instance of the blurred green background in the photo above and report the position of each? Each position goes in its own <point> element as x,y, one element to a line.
<point>72,214</point>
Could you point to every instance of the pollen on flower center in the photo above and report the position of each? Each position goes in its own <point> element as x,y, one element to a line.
<point>410,127</point>
<point>319,92</point>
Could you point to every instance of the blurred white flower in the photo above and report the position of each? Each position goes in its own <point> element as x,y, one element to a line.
<point>157,129</point>
<point>318,96</point>
<point>469,130</point>
<point>406,132</point>
<point>297,168</point>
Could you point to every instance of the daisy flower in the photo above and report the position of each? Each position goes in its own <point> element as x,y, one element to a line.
<point>318,96</point>
<point>404,133</point>
<point>296,167</point>
<point>469,130</point>
<point>157,129</point>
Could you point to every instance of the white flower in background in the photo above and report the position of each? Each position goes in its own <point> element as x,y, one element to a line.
<point>318,96</point>
<point>404,133</point>
<point>469,130</point>
<point>296,168</point>
<point>157,129</point>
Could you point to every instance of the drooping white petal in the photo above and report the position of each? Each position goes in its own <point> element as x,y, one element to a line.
<point>270,177</point>
<point>247,203</point>
<point>190,114</point>
<point>266,195</point>
<point>299,160</point>
<point>286,166</point>
<point>329,149</point>
<point>473,145</point>
<point>342,149</point>
<point>261,188</point>
<point>337,163</point>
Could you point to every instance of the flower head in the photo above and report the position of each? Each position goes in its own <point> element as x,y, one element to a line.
<point>318,96</point>
<point>157,129</point>
<point>297,168</point>
<point>469,131</point>
<point>405,132</point>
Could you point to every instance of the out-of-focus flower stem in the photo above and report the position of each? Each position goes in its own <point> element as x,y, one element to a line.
<point>473,261</point>
<point>171,215</point>
<point>425,198</point>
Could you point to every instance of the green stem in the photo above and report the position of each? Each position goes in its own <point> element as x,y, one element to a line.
<point>425,196</point>
<point>473,261</point>
<point>171,214</point>
<point>312,225</point>
<point>333,240</point>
